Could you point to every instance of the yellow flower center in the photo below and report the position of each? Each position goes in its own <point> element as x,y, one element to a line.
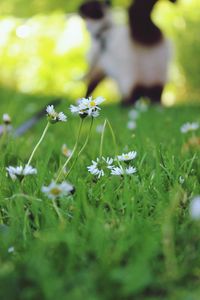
<point>126,157</point>
<point>65,151</point>
<point>55,191</point>
<point>92,103</point>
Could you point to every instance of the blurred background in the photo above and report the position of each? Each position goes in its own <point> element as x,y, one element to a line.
<point>43,44</point>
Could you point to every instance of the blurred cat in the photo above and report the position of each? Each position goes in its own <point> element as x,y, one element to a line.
<point>135,56</point>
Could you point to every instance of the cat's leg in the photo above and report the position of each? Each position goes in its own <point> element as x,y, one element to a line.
<point>137,92</point>
<point>154,93</point>
<point>93,81</point>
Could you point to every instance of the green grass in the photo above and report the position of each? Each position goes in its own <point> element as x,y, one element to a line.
<point>130,238</point>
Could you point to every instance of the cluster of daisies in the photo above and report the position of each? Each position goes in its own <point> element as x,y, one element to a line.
<point>20,172</point>
<point>188,127</point>
<point>119,166</point>
<point>85,107</point>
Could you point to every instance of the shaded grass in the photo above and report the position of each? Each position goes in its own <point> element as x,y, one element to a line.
<point>121,239</point>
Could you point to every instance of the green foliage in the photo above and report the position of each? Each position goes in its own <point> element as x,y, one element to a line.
<point>41,56</point>
<point>182,23</point>
<point>188,43</point>
<point>22,8</point>
<point>121,239</point>
<point>44,55</point>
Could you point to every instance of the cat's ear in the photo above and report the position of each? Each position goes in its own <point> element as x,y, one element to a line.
<point>108,2</point>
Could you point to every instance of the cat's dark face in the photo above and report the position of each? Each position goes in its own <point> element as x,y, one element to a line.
<point>93,9</point>
<point>96,15</point>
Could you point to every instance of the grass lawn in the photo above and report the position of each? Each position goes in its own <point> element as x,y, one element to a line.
<point>116,237</point>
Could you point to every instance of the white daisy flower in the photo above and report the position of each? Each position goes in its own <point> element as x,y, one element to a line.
<point>99,166</point>
<point>128,156</point>
<point>20,171</point>
<point>55,117</point>
<point>50,110</point>
<point>56,190</point>
<point>14,171</point>
<point>195,208</point>
<point>6,119</point>
<point>94,113</point>
<point>142,105</point>
<point>94,169</point>
<point>87,107</point>
<point>130,170</point>
<point>11,249</point>
<point>29,170</point>
<point>181,179</point>
<point>133,114</point>
<point>62,117</point>
<point>189,127</point>
<point>131,125</point>
<point>119,171</point>
<point>77,110</point>
<point>108,160</point>
<point>66,151</point>
<point>91,104</point>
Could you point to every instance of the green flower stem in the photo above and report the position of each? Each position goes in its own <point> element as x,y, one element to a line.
<point>73,151</point>
<point>57,211</point>
<point>120,185</point>
<point>102,139</point>
<point>113,136</point>
<point>82,149</point>
<point>4,135</point>
<point>38,144</point>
